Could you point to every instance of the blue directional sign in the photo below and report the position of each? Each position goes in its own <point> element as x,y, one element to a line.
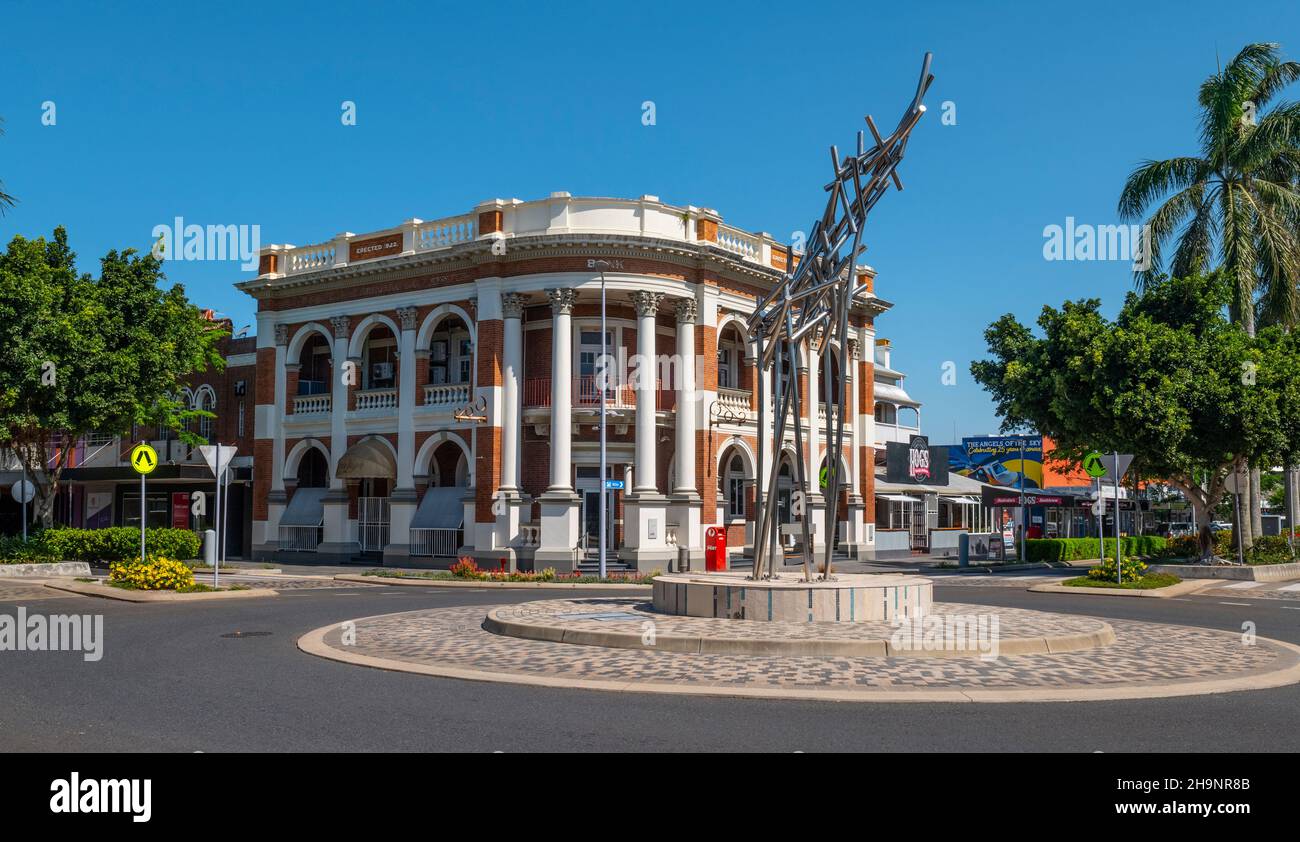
<point>614,484</point>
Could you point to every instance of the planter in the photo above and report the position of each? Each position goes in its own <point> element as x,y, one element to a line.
<point>1245,572</point>
<point>57,568</point>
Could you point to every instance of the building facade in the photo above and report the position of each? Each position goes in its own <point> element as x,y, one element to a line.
<point>433,389</point>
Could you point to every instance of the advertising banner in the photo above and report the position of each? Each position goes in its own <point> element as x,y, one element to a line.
<point>996,460</point>
<point>916,462</point>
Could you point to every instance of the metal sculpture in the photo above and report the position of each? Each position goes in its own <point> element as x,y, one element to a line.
<point>812,302</point>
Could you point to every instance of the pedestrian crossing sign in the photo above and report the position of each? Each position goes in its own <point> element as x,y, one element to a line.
<point>144,459</point>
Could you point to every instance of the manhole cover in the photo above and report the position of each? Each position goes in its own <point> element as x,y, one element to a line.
<point>247,634</point>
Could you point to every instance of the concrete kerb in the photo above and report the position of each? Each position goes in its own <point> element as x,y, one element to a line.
<point>1184,587</point>
<point>110,592</point>
<point>313,643</point>
<point>44,569</point>
<point>702,645</point>
<point>451,583</point>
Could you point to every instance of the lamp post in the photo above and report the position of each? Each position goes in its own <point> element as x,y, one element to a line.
<point>604,374</point>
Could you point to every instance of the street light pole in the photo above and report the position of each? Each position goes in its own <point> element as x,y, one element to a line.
<point>601,383</point>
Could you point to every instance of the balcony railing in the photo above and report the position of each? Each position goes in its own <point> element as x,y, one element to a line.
<point>736,400</point>
<point>446,394</point>
<point>645,217</point>
<point>311,404</point>
<point>371,399</point>
<point>586,394</point>
<point>435,543</point>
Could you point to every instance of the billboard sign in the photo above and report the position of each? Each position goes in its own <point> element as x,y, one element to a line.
<point>916,462</point>
<point>996,460</point>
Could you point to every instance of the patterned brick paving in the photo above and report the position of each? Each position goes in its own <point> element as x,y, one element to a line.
<point>629,616</point>
<point>286,583</point>
<point>1145,654</point>
<point>18,590</point>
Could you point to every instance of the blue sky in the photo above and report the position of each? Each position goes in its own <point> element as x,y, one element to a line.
<point>229,114</point>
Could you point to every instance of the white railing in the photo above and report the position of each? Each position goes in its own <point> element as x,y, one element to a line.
<point>300,539</point>
<point>446,394</point>
<point>372,523</point>
<point>738,242</point>
<point>435,543</point>
<point>442,233</point>
<point>310,258</point>
<point>737,400</point>
<point>376,399</point>
<point>311,404</point>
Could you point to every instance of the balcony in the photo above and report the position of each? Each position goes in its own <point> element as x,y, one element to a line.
<point>446,395</point>
<point>369,400</point>
<point>311,404</point>
<point>586,395</point>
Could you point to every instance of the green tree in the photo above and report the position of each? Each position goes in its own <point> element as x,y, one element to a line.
<point>82,355</point>
<point>1237,202</point>
<point>1171,380</point>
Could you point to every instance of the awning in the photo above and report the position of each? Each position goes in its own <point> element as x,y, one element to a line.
<point>893,394</point>
<point>441,508</point>
<point>306,508</point>
<point>973,501</point>
<point>369,458</point>
<point>898,498</point>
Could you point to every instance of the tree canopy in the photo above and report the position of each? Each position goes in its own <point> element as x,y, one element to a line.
<point>1171,380</point>
<point>82,355</point>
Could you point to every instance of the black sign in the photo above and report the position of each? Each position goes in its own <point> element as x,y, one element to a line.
<point>916,462</point>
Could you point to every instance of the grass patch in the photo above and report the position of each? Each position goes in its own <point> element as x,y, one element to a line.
<point>1146,582</point>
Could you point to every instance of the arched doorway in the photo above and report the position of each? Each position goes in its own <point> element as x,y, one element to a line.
<point>372,464</point>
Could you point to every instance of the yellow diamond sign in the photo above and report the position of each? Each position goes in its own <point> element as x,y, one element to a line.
<point>144,459</point>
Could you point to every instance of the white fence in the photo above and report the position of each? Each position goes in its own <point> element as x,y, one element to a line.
<point>300,539</point>
<point>435,543</point>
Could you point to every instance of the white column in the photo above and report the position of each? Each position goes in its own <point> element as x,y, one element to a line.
<point>647,305</point>
<point>562,301</point>
<point>814,399</point>
<point>338,539</point>
<point>687,400</point>
<point>277,417</point>
<point>408,320</point>
<point>512,309</point>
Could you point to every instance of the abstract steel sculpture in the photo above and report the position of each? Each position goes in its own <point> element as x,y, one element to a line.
<point>813,302</point>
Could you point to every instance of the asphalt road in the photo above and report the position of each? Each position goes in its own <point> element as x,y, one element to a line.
<point>169,681</point>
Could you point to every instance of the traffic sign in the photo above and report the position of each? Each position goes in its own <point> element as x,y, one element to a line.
<point>1093,465</point>
<point>144,459</point>
<point>209,452</point>
<point>614,484</point>
<point>23,491</point>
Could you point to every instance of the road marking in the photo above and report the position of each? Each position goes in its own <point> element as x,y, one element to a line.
<point>1246,604</point>
<point>1241,586</point>
<point>1295,587</point>
<point>1292,607</point>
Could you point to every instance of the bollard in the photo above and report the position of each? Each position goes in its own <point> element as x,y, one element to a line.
<point>963,550</point>
<point>683,560</point>
<point>210,547</point>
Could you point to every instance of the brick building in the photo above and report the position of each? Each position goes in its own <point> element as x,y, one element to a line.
<point>433,389</point>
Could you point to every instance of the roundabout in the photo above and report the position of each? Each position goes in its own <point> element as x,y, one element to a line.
<point>624,645</point>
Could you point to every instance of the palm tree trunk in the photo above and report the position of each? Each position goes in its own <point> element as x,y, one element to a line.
<point>1291,491</point>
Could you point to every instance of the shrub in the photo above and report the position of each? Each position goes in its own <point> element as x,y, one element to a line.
<point>32,551</point>
<point>1081,549</point>
<point>465,568</point>
<point>156,573</point>
<point>1132,569</point>
<point>117,543</point>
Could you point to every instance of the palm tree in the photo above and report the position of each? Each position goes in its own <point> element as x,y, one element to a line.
<point>6,201</point>
<point>1238,202</point>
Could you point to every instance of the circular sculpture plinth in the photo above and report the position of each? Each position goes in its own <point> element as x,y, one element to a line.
<point>847,598</point>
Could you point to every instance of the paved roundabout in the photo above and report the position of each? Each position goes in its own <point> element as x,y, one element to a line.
<point>623,645</point>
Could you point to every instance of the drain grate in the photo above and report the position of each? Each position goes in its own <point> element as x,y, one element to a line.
<point>247,634</point>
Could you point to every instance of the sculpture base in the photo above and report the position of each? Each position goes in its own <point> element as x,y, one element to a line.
<point>846,598</point>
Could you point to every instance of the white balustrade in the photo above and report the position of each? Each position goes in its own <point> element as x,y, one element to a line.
<point>371,399</point>
<point>748,246</point>
<point>311,404</point>
<point>435,543</point>
<point>446,394</point>
<point>310,258</point>
<point>441,233</point>
<point>300,539</point>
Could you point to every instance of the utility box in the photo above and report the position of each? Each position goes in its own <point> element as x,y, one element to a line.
<point>715,548</point>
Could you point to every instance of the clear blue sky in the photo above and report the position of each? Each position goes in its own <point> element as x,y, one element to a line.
<point>230,114</point>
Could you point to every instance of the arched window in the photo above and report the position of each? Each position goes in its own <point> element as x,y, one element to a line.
<point>313,470</point>
<point>207,426</point>
<point>735,493</point>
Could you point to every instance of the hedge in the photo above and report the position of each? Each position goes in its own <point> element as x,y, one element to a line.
<point>115,543</point>
<point>1082,549</point>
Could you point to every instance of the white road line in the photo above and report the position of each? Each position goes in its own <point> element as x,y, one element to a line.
<point>1241,586</point>
<point>1292,607</point>
<point>1295,587</point>
<point>1246,604</point>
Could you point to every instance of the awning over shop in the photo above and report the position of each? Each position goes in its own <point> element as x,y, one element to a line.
<point>369,458</point>
<point>306,508</point>
<point>898,498</point>
<point>440,508</point>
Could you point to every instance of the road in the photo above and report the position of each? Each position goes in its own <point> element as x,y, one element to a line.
<point>170,681</point>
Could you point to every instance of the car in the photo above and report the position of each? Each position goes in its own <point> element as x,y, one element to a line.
<point>1178,530</point>
<point>1220,526</point>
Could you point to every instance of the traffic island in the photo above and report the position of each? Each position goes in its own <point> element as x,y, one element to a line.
<point>133,595</point>
<point>1151,585</point>
<point>1134,661</point>
<point>787,597</point>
